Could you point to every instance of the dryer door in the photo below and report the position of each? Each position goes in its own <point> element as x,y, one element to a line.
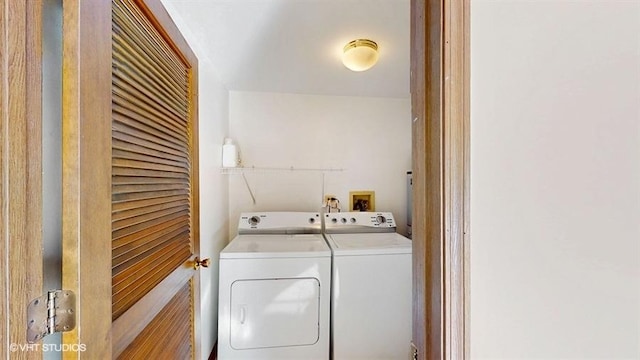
<point>274,312</point>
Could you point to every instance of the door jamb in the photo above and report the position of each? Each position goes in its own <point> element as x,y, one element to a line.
<point>86,180</point>
<point>440,96</point>
<point>20,171</point>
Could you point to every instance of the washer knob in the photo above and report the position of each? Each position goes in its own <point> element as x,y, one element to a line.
<point>334,220</point>
<point>344,221</point>
<point>353,220</point>
<point>312,220</point>
<point>381,219</point>
<point>254,220</point>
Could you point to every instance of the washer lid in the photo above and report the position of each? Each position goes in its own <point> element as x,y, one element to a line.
<point>369,244</point>
<point>276,246</point>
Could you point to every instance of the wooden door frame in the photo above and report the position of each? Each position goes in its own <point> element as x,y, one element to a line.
<point>440,97</point>
<point>20,171</point>
<point>86,190</point>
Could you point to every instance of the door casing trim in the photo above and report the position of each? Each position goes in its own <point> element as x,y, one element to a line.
<point>440,97</point>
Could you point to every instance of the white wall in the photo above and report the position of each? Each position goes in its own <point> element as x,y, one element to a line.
<point>555,179</point>
<point>370,138</point>
<point>214,196</point>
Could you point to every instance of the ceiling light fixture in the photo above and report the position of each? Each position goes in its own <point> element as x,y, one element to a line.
<point>360,54</point>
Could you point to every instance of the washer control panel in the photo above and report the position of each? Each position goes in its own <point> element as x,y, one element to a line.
<point>345,222</point>
<point>279,222</point>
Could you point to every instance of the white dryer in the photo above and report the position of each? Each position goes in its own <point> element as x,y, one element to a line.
<point>371,287</point>
<point>274,289</point>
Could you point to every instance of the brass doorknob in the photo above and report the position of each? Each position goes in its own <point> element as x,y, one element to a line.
<point>204,263</point>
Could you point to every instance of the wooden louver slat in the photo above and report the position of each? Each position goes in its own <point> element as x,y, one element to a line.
<point>136,229</point>
<point>132,120</point>
<point>133,127</point>
<point>142,99</point>
<point>123,29</point>
<point>144,159</point>
<point>143,188</point>
<point>142,204</point>
<point>124,57</point>
<point>131,74</point>
<point>151,162</point>
<point>142,246</point>
<point>140,115</point>
<point>129,22</point>
<point>124,281</point>
<point>146,165</point>
<point>128,138</point>
<point>132,215</point>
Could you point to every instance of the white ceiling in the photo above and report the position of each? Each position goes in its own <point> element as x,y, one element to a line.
<point>294,46</point>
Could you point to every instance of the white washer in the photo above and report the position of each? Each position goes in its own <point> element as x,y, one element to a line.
<point>371,287</point>
<point>274,297</point>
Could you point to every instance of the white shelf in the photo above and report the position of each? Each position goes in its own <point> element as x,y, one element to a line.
<point>243,169</point>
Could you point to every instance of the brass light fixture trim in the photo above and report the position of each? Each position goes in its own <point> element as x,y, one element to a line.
<point>361,42</point>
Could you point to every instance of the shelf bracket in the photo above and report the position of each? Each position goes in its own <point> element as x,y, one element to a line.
<point>253,198</point>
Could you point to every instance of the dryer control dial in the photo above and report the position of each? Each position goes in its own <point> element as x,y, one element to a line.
<point>254,220</point>
<point>381,219</point>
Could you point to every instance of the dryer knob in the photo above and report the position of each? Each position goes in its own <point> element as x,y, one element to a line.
<point>312,220</point>
<point>334,220</point>
<point>254,220</point>
<point>344,221</point>
<point>381,219</point>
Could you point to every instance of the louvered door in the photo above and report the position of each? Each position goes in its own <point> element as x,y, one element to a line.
<point>144,168</point>
<point>154,184</point>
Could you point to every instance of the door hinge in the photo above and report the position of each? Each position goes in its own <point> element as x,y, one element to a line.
<point>414,351</point>
<point>51,313</point>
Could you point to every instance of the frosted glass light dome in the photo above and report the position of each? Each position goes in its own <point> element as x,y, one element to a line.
<point>360,54</point>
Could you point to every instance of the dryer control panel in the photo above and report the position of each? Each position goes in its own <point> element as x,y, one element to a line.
<point>359,222</point>
<point>279,222</point>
